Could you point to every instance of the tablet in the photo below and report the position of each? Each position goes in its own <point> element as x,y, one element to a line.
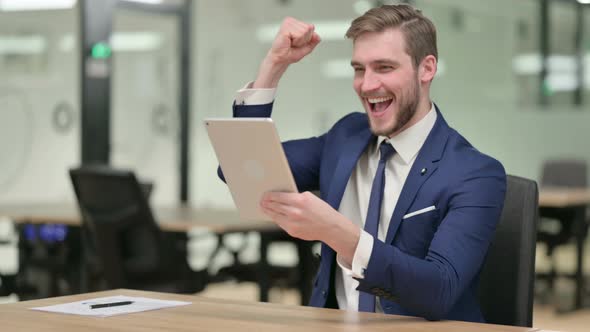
<point>251,156</point>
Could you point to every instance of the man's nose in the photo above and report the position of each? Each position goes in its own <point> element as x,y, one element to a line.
<point>370,82</point>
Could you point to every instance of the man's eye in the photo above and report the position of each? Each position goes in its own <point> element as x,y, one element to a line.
<point>385,68</point>
<point>358,69</point>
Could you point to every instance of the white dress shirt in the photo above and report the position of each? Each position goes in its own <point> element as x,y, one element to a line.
<point>355,200</point>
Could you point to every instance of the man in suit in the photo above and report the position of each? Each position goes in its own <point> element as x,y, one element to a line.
<point>408,207</point>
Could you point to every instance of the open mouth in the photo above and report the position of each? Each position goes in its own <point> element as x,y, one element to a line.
<point>378,105</point>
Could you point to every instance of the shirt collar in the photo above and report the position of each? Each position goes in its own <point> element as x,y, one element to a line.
<point>408,143</point>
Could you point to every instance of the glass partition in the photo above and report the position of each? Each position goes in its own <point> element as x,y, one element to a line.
<point>144,106</point>
<point>39,103</point>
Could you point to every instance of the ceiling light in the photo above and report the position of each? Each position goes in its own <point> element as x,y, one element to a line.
<point>21,5</point>
<point>151,2</point>
<point>327,30</point>
<point>130,41</point>
<point>135,41</point>
<point>34,44</point>
<point>337,68</point>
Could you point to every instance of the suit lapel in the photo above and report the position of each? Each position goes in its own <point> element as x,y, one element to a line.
<point>352,149</point>
<point>427,159</point>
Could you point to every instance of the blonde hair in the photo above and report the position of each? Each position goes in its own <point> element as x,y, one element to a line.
<point>418,30</point>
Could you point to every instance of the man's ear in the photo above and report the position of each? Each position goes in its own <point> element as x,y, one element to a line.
<point>427,69</point>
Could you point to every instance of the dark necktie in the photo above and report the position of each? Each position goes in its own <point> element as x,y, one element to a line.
<point>366,300</point>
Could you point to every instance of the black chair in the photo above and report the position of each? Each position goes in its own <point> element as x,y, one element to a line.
<point>570,173</point>
<point>558,225</point>
<point>7,282</point>
<point>123,245</point>
<point>506,287</point>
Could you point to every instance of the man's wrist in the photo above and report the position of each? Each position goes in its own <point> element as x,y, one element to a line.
<point>269,74</point>
<point>345,241</point>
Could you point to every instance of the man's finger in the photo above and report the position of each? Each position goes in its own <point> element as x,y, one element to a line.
<point>289,211</point>
<point>315,39</point>
<point>274,215</point>
<point>304,37</point>
<point>281,197</point>
<point>280,219</point>
<point>294,29</point>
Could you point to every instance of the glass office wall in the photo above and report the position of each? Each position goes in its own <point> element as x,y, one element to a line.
<point>586,52</point>
<point>487,84</point>
<point>488,73</point>
<point>144,106</point>
<point>39,103</point>
<point>561,78</point>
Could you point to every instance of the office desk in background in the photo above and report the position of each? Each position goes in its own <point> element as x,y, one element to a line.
<point>182,219</point>
<point>171,219</point>
<point>205,314</point>
<point>576,200</point>
<point>563,197</point>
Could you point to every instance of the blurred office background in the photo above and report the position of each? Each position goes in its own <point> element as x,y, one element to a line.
<point>514,78</point>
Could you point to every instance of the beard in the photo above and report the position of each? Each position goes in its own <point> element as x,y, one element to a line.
<point>408,106</point>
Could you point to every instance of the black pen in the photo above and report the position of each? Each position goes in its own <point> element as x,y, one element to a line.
<point>112,304</point>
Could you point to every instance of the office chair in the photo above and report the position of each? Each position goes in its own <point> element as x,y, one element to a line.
<point>123,246</point>
<point>506,288</point>
<point>7,281</point>
<point>564,173</point>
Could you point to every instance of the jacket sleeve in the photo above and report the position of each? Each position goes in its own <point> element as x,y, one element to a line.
<point>430,287</point>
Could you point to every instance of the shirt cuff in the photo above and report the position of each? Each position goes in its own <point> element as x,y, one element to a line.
<point>361,257</point>
<point>249,96</point>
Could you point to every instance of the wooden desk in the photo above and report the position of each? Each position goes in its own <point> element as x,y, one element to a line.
<point>205,314</point>
<point>563,197</point>
<point>171,218</point>
<point>576,200</point>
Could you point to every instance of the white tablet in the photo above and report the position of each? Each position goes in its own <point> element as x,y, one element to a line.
<point>252,159</point>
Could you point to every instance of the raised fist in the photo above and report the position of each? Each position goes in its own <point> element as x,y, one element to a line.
<point>293,42</point>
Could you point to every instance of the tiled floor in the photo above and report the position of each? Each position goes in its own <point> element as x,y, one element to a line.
<point>545,314</point>
<point>544,317</point>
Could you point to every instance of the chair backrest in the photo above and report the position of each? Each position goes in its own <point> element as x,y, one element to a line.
<point>564,173</point>
<point>118,222</point>
<point>507,279</point>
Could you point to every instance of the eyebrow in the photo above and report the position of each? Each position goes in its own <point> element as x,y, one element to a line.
<point>376,62</point>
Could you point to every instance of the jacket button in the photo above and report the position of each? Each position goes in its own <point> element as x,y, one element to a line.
<point>324,293</point>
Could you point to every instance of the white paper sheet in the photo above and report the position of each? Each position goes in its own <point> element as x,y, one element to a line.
<point>83,307</point>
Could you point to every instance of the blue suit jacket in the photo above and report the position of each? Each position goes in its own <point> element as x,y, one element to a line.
<point>429,264</point>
